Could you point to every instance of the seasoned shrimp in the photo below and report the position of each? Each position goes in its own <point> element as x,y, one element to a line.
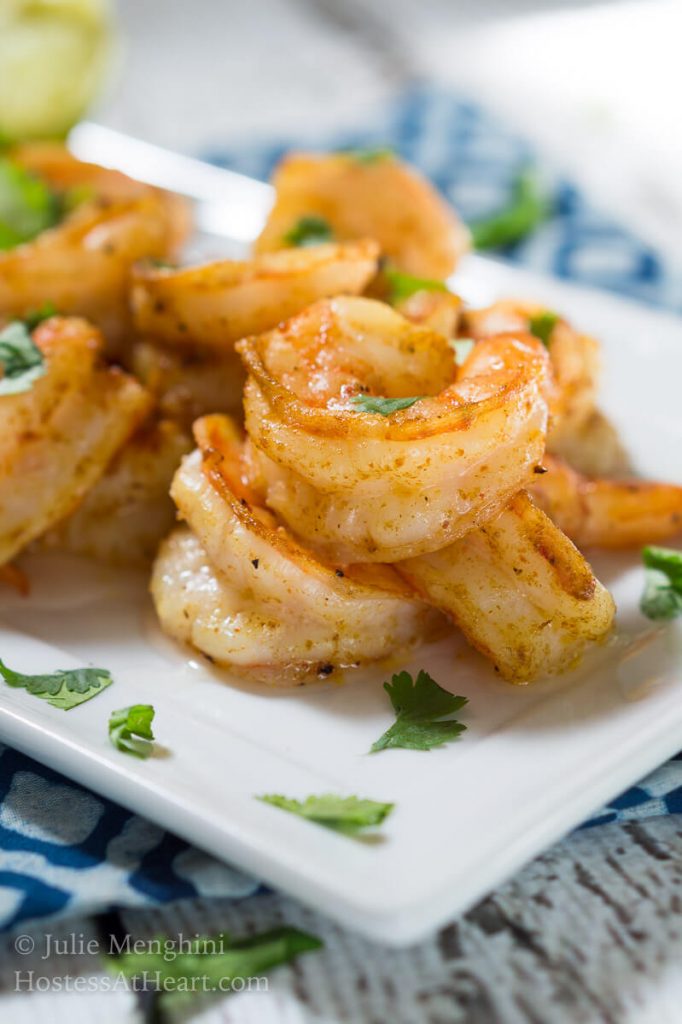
<point>377,198</point>
<point>363,486</point>
<point>608,513</point>
<point>57,438</point>
<point>574,358</point>
<point>122,519</point>
<point>81,266</point>
<point>191,381</point>
<point>242,591</point>
<point>593,447</point>
<point>217,303</point>
<point>519,590</point>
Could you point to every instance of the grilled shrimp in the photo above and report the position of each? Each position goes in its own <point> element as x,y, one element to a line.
<point>377,198</point>
<point>608,513</point>
<point>438,310</point>
<point>191,381</point>
<point>362,486</point>
<point>242,591</point>
<point>122,518</point>
<point>519,590</point>
<point>81,266</point>
<point>593,447</point>
<point>57,438</point>
<point>217,303</point>
<point>574,359</point>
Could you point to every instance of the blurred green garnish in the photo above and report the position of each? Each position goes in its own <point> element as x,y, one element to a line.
<point>309,230</point>
<point>27,205</point>
<point>528,208</point>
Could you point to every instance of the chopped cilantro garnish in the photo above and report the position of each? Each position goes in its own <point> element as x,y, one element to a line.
<point>344,814</point>
<point>211,962</point>
<point>27,205</point>
<point>528,208</point>
<point>309,230</point>
<point>462,347</point>
<point>65,689</point>
<point>401,285</point>
<point>130,730</point>
<point>21,361</point>
<point>383,406</point>
<point>421,707</point>
<point>662,598</point>
<point>543,324</point>
<point>36,316</point>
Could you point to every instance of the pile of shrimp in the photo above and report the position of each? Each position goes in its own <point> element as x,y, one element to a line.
<point>360,463</point>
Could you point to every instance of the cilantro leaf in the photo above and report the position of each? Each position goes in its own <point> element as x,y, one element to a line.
<point>662,597</point>
<point>370,155</point>
<point>36,316</point>
<point>528,208</point>
<point>543,324</point>
<point>210,960</point>
<point>420,706</point>
<point>27,205</point>
<point>401,285</point>
<point>383,406</point>
<point>344,814</point>
<point>65,689</point>
<point>462,347</point>
<point>130,730</point>
<point>309,230</point>
<point>21,361</point>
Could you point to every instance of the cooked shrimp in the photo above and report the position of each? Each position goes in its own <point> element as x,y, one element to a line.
<point>440,311</point>
<point>242,591</point>
<point>593,447</point>
<point>123,518</point>
<point>217,303</point>
<point>519,590</point>
<point>57,438</point>
<point>81,266</point>
<point>574,358</point>
<point>369,487</point>
<point>378,198</point>
<point>188,382</point>
<point>608,513</point>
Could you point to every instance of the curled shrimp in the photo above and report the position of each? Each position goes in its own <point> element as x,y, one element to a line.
<point>519,590</point>
<point>379,198</point>
<point>191,380</point>
<point>81,266</point>
<point>215,304</point>
<point>607,513</point>
<point>123,517</point>
<point>242,591</point>
<point>363,486</point>
<point>57,438</point>
<point>574,359</point>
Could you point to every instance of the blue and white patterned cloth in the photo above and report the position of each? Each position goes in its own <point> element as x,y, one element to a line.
<point>65,850</point>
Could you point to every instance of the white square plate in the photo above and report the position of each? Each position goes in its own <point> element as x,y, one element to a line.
<point>533,763</point>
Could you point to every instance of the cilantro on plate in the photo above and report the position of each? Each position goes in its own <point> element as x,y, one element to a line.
<point>65,689</point>
<point>662,597</point>
<point>343,814</point>
<point>423,710</point>
<point>130,730</point>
